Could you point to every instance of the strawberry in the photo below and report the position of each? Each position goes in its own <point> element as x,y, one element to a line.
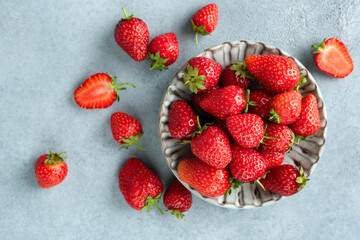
<point>261,100</point>
<point>247,164</point>
<point>285,107</point>
<point>224,102</point>
<point>205,20</point>
<point>275,73</point>
<point>278,138</point>
<point>177,199</point>
<point>132,35</point>
<point>201,74</point>
<point>221,124</point>
<point>98,91</point>
<point>182,120</point>
<point>236,74</point>
<point>50,169</point>
<point>197,98</point>
<point>284,180</point>
<point>140,186</point>
<point>247,129</point>
<point>163,51</point>
<point>271,158</point>
<point>207,180</point>
<point>333,58</point>
<point>308,122</point>
<point>126,130</point>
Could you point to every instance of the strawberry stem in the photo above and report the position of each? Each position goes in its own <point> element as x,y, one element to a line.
<point>157,61</point>
<point>274,116</point>
<point>251,103</point>
<point>152,201</point>
<point>123,9</point>
<point>140,147</point>
<point>319,48</point>
<point>177,213</point>
<point>126,16</point>
<point>54,158</point>
<point>302,179</point>
<point>132,140</point>
<point>196,38</point>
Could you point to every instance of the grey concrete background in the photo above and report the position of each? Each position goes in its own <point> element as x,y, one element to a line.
<point>48,48</point>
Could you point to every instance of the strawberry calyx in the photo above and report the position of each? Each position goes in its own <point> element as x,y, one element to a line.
<point>274,116</point>
<point>126,16</point>
<point>54,158</point>
<point>265,137</point>
<point>200,128</point>
<point>132,140</point>
<point>241,69</point>
<point>177,213</point>
<point>302,179</point>
<point>152,201</point>
<point>157,61</point>
<point>116,88</point>
<point>200,29</point>
<point>193,80</point>
<point>300,82</point>
<point>233,184</point>
<point>248,102</point>
<point>319,48</point>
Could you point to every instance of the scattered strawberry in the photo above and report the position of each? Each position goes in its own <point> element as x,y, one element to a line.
<point>132,35</point>
<point>285,107</point>
<point>177,199</point>
<point>163,51</point>
<point>207,180</point>
<point>50,169</point>
<point>278,138</point>
<point>126,130</point>
<point>236,74</point>
<point>205,20</point>
<point>284,180</point>
<point>261,99</point>
<point>98,91</point>
<point>140,186</point>
<point>333,58</point>
<point>271,158</point>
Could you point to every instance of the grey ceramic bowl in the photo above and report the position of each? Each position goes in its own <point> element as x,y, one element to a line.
<point>307,154</point>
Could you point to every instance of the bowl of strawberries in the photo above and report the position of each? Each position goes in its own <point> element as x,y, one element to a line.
<point>242,124</point>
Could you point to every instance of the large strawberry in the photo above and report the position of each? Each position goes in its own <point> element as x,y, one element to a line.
<point>98,91</point>
<point>261,100</point>
<point>308,122</point>
<point>132,35</point>
<point>284,180</point>
<point>205,20</point>
<point>275,73</point>
<point>279,138</point>
<point>271,158</point>
<point>126,130</point>
<point>50,169</point>
<point>163,51</point>
<point>201,74</point>
<point>207,180</point>
<point>236,74</point>
<point>140,186</point>
<point>285,107</point>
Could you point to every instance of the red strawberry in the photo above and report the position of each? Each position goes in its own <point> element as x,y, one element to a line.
<point>261,100</point>
<point>50,170</point>
<point>221,124</point>
<point>132,35</point>
<point>197,98</point>
<point>205,20</point>
<point>140,186</point>
<point>284,180</point>
<point>201,74</point>
<point>247,129</point>
<point>275,73</point>
<point>285,107</point>
<point>224,102</point>
<point>98,91</point>
<point>309,121</point>
<point>177,199</point>
<point>278,138</point>
<point>236,74</point>
<point>182,120</point>
<point>247,164</point>
<point>126,130</point>
<point>163,51</point>
<point>333,58</point>
<point>207,180</point>
<point>211,145</point>
<point>271,158</point>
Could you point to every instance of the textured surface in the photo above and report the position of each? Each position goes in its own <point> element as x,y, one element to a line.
<point>48,48</point>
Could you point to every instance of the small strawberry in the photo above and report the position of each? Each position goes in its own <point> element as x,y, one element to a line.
<point>163,51</point>
<point>177,199</point>
<point>132,35</point>
<point>275,73</point>
<point>50,169</point>
<point>284,180</point>
<point>285,107</point>
<point>207,180</point>
<point>202,74</point>
<point>271,158</point>
<point>278,138</point>
<point>126,130</point>
<point>236,74</point>
<point>98,91</point>
<point>182,120</point>
<point>205,20</point>
<point>333,58</point>
<point>308,122</point>
<point>140,186</point>
<point>261,100</point>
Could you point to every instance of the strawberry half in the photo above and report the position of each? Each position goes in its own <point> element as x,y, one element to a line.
<point>205,20</point>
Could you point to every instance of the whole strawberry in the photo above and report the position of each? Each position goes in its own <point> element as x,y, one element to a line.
<point>201,74</point>
<point>50,169</point>
<point>284,180</point>
<point>126,130</point>
<point>207,180</point>
<point>261,100</point>
<point>308,122</point>
<point>205,20</point>
<point>279,138</point>
<point>132,35</point>
<point>236,74</point>
<point>182,120</point>
<point>197,98</point>
<point>163,51</point>
<point>177,199</point>
<point>271,158</point>
<point>275,73</point>
<point>140,186</point>
<point>285,107</point>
